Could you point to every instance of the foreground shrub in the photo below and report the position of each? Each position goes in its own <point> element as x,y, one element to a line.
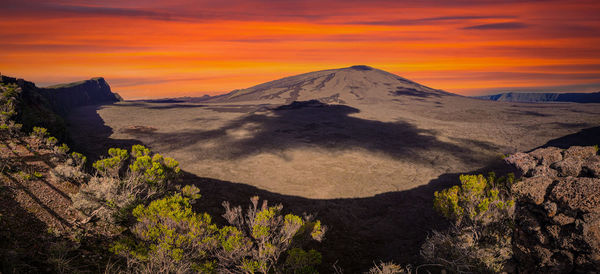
<point>170,237</point>
<point>475,202</point>
<point>117,187</point>
<point>271,236</point>
<point>388,268</point>
<point>480,238</point>
<point>8,98</point>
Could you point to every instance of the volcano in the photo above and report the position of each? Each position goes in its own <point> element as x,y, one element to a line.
<point>352,85</point>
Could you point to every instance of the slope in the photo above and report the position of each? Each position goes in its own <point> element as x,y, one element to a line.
<point>352,85</point>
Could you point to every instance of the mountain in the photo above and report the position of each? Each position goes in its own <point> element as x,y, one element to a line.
<point>356,84</point>
<point>45,106</point>
<point>64,97</point>
<point>543,97</point>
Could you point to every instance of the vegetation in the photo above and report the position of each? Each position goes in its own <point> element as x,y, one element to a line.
<point>170,237</point>
<point>388,268</point>
<point>29,109</point>
<point>117,187</point>
<point>480,240</point>
<point>8,101</point>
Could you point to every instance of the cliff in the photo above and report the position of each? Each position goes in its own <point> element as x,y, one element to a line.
<point>544,97</point>
<point>44,106</point>
<point>65,97</point>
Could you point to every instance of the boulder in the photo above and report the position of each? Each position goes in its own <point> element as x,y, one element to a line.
<point>557,215</point>
<point>568,167</point>
<point>522,161</point>
<point>580,152</point>
<point>546,156</point>
<point>533,189</point>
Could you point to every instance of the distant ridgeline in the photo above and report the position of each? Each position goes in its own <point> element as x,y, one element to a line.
<point>44,106</point>
<point>544,97</point>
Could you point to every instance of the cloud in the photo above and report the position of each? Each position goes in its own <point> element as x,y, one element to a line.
<point>466,17</point>
<point>68,48</point>
<point>498,26</point>
<point>428,20</point>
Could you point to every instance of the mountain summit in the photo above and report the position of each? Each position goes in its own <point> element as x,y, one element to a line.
<point>356,84</point>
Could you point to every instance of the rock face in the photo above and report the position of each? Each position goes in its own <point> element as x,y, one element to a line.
<point>544,97</point>
<point>558,210</point>
<point>88,92</point>
<point>65,97</point>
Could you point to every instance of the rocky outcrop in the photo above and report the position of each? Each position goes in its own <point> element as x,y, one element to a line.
<point>544,97</point>
<point>89,92</point>
<point>558,210</point>
<point>43,107</point>
<point>64,97</point>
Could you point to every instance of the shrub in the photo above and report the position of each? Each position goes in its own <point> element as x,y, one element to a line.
<point>39,132</point>
<point>111,166</point>
<point>170,237</point>
<point>300,261</point>
<point>475,201</point>
<point>113,192</point>
<point>387,268</point>
<point>480,239</point>
<point>61,150</point>
<point>38,136</point>
<point>78,159</point>
<point>51,141</point>
<point>71,169</point>
<point>156,170</point>
<point>271,235</point>
<point>7,103</point>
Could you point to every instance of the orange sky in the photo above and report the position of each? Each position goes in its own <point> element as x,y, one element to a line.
<point>150,48</point>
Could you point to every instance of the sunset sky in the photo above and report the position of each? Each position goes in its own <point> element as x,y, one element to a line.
<point>151,48</point>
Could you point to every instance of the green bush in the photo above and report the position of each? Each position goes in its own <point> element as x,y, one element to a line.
<point>118,187</point>
<point>51,141</point>
<point>62,150</point>
<point>111,166</point>
<point>170,237</point>
<point>480,239</point>
<point>476,201</point>
<point>39,132</point>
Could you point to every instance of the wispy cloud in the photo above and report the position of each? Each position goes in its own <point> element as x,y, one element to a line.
<point>428,20</point>
<point>498,26</point>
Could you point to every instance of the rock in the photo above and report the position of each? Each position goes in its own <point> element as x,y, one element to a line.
<point>522,161</point>
<point>591,168</point>
<point>579,152</point>
<point>542,171</point>
<point>578,194</point>
<point>547,156</point>
<point>568,167</point>
<point>89,92</point>
<point>563,219</point>
<point>532,189</point>
<point>553,231</point>
<point>557,216</point>
<point>591,231</point>
<point>550,208</point>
